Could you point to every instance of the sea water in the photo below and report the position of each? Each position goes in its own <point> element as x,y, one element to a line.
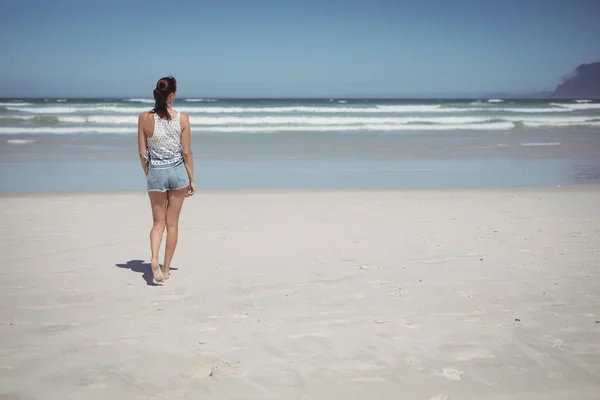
<point>91,144</point>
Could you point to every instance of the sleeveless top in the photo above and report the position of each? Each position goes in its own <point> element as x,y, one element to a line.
<point>164,147</point>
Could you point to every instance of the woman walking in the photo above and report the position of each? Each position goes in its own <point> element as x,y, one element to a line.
<point>166,156</point>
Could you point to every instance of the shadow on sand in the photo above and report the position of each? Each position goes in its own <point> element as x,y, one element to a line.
<point>143,268</point>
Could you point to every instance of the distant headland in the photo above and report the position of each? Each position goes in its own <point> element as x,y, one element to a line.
<point>581,83</point>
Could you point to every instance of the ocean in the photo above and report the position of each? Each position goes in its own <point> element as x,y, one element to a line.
<point>90,144</point>
<point>112,116</point>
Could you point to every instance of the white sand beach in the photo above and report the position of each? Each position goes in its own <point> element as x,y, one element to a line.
<point>298,294</point>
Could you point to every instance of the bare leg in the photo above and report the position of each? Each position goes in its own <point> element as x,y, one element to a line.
<point>158,201</point>
<point>176,198</point>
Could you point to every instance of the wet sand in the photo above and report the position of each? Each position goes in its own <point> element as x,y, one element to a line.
<point>308,160</point>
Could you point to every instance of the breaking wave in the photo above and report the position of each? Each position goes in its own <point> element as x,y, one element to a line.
<point>120,116</point>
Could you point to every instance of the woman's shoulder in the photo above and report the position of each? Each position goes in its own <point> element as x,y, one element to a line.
<point>146,114</point>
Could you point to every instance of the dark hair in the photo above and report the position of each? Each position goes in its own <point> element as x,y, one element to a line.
<point>164,87</point>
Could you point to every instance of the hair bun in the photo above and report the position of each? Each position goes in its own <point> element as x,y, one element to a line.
<point>164,87</point>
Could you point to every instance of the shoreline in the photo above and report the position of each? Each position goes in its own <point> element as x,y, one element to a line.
<point>310,161</point>
<point>578,187</point>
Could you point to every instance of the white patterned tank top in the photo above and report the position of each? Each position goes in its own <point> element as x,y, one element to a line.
<point>164,147</point>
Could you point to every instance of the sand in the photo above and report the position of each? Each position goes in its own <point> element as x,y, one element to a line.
<point>431,294</point>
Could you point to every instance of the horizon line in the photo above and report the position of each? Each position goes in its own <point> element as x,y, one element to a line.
<point>229,98</point>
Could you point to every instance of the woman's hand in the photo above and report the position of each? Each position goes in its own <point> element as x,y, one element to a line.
<point>191,190</point>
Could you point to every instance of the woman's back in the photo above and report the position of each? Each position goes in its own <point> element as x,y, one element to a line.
<point>166,156</point>
<point>164,146</point>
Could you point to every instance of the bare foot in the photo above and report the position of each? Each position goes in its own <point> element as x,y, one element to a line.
<point>156,272</point>
<point>166,272</point>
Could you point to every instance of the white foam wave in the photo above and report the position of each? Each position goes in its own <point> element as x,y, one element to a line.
<point>330,120</point>
<point>233,110</point>
<point>322,110</point>
<point>478,106</point>
<point>61,100</point>
<point>19,141</point>
<point>65,130</point>
<point>275,120</point>
<point>271,128</point>
<point>72,110</point>
<point>541,144</point>
<point>100,119</point>
<point>149,101</point>
<point>583,101</point>
<point>577,106</point>
<point>201,100</point>
<point>274,124</point>
<point>369,127</point>
<point>23,117</point>
<point>531,110</point>
<point>551,119</point>
<point>253,121</point>
<point>380,109</point>
<point>559,124</point>
<point>495,101</point>
<point>14,104</point>
<point>421,108</point>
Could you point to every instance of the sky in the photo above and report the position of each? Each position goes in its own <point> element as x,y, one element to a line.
<point>293,48</point>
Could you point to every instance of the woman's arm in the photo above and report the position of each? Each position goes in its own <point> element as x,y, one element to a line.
<point>142,144</point>
<point>186,147</point>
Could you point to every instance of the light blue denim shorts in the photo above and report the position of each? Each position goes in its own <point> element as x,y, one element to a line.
<point>172,178</point>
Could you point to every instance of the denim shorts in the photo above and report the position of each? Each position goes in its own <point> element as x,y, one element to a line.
<point>163,179</point>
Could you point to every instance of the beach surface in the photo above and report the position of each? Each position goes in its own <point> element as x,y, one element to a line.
<point>305,294</point>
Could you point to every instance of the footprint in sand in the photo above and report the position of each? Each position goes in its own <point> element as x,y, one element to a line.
<point>381,321</point>
<point>440,397</point>
<point>409,324</point>
<point>414,361</point>
<point>555,375</point>
<point>560,345</point>
<point>217,370</point>
<point>222,369</point>
<point>451,373</point>
<point>12,322</point>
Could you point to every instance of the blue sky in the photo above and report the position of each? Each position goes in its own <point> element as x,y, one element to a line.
<point>307,48</point>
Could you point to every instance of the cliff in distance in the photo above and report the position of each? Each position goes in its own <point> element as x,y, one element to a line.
<point>581,83</point>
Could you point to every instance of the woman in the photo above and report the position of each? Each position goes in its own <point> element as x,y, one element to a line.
<point>166,156</point>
